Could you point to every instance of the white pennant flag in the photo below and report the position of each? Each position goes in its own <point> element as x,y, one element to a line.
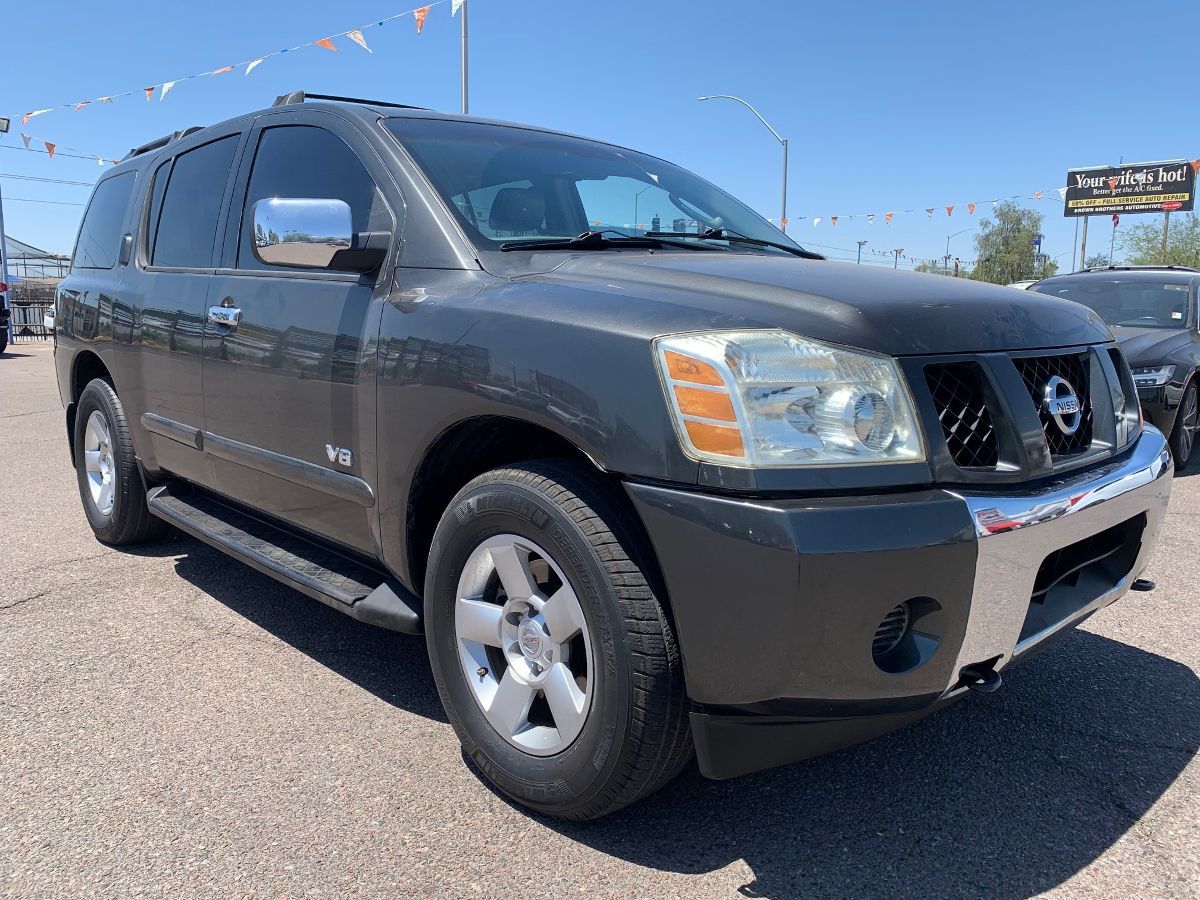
<point>454,5</point>
<point>25,138</point>
<point>357,37</point>
<point>167,85</point>
<point>816,221</point>
<point>250,67</point>
<point>99,161</point>
<point>1062,193</point>
<point>870,218</point>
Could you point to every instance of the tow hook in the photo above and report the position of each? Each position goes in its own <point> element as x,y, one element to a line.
<point>1142,584</point>
<point>982,678</point>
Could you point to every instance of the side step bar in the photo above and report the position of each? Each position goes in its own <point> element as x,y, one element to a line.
<point>324,574</point>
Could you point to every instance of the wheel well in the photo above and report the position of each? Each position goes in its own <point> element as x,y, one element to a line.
<point>466,450</point>
<point>86,367</point>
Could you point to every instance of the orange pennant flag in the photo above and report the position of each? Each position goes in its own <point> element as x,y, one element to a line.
<point>887,218</point>
<point>221,71</point>
<point>1037,195</point>
<point>833,220</point>
<point>326,43</point>
<point>949,210</point>
<point>420,15</point>
<point>970,209</point>
<point>49,148</point>
<point>1112,184</point>
<point>149,93</point>
<point>1196,166</point>
<point>82,104</point>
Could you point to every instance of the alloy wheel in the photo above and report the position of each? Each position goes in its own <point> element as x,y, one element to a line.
<point>98,462</point>
<point>524,645</point>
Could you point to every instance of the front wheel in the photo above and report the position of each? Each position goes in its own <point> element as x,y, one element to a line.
<point>553,656</point>
<point>1183,435</point>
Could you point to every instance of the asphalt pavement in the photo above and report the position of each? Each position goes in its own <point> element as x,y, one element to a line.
<point>175,724</point>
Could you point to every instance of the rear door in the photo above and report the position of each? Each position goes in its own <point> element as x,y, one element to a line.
<point>288,378</point>
<point>182,217</point>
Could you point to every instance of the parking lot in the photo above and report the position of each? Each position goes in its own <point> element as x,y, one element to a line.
<point>174,723</point>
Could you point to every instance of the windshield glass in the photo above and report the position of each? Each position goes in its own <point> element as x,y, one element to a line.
<point>509,184</point>
<point>1140,304</point>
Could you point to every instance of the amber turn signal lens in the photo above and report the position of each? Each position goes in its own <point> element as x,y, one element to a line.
<point>687,368</point>
<point>720,439</point>
<point>705,404</point>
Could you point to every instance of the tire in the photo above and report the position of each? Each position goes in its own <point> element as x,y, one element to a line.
<point>1183,434</point>
<point>116,509</point>
<point>3,338</point>
<point>633,734</point>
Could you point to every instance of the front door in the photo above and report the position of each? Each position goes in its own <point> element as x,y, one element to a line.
<point>288,383</point>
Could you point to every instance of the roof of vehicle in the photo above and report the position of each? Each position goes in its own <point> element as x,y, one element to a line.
<point>1170,274</point>
<point>359,106</point>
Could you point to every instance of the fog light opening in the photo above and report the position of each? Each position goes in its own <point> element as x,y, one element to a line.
<point>907,636</point>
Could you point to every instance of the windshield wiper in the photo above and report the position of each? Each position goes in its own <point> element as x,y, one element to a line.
<point>733,237</point>
<point>589,240</point>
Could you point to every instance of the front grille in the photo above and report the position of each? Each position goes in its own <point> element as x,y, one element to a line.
<point>957,392</point>
<point>1036,372</point>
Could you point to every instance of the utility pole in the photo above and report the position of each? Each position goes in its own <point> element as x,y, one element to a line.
<point>5,289</point>
<point>1075,245</point>
<point>861,244</point>
<point>1083,246</point>
<point>1166,229</point>
<point>896,257</point>
<point>463,25</point>
<point>1112,241</point>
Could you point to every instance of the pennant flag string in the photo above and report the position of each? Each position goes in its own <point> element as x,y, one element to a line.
<point>420,15</point>
<point>54,148</point>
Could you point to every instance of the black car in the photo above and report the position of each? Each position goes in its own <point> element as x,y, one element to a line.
<point>644,494</point>
<point>1154,314</point>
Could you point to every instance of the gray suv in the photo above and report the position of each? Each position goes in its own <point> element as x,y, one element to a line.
<point>648,492</point>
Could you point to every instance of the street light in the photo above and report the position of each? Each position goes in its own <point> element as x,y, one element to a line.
<point>637,225</point>
<point>896,257</point>
<point>778,137</point>
<point>861,244</point>
<point>956,234</point>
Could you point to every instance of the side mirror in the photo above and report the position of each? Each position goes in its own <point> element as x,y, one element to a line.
<point>314,234</point>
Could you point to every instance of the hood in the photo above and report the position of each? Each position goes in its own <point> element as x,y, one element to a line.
<point>898,313</point>
<point>1149,346</point>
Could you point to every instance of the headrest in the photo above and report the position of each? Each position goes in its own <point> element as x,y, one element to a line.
<point>517,209</point>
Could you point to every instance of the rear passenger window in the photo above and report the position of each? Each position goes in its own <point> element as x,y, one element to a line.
<point>187,222</point>
<point>100,234</point>
<point>309,163</point>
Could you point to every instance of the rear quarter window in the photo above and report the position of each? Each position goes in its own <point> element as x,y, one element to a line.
<point>186,229</point>
<point>99,243</point>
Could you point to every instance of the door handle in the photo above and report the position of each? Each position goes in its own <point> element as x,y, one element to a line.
<point>225,315</point>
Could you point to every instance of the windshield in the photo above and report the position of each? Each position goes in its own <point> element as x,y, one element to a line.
<point>1140,304</point>
<point>508,184</point>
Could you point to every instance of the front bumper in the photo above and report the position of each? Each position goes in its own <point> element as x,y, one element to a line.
<point>777,602</point>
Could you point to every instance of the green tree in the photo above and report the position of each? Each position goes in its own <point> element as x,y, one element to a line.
<point>1004,246</point>
<point>1097,261</point>
<point>1142,243</point>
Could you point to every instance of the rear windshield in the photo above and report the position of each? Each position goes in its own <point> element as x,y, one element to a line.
<point>1139,304</point>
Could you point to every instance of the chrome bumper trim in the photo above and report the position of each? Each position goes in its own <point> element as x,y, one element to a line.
<point>1016,532</point>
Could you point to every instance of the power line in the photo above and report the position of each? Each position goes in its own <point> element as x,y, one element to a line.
<point>31,200</point>
<point>47,180</point>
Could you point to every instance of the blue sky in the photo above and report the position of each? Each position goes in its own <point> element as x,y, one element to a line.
<point>887,106</point>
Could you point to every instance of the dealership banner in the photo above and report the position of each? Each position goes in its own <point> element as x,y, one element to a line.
<point>1138,188</point>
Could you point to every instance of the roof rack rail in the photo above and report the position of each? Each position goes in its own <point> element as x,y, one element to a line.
<point>302,96</point>
<point>160,142</point>
<point>1148,268</point>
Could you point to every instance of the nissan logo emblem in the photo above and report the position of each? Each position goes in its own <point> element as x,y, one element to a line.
<point>1062,405</point>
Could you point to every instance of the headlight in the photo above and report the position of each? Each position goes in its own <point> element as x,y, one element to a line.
<point>769,398</point>
<point>1153,376</point>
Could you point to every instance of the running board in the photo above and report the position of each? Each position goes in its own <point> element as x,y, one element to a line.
<point>323,574</point>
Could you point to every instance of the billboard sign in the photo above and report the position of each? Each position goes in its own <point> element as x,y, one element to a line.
<point>1137,188</point>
